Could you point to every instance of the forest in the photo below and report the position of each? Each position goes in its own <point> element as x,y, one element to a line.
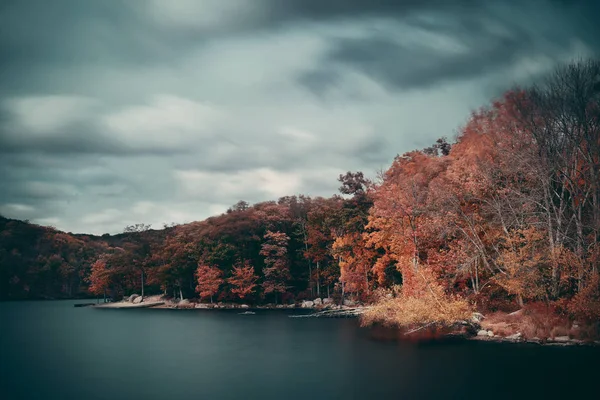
<point>504,216</point>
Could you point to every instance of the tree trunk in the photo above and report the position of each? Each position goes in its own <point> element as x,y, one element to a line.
<point>142,285</point>
<point>579,248</point>
<point>180,293</point>
<point>477,276</point>
<point>309,262</point>
<point>318,281</point>
<point>520,300</point>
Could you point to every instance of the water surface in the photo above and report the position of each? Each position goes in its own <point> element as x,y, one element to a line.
<point>51,350</point>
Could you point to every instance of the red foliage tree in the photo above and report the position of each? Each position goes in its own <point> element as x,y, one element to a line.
<point>99,278</point>
<point>209,281</point>
<point>243,280</point>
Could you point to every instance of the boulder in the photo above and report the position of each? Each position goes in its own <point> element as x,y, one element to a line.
<point>516,336</point>
<point>318,301</point>
<point>349,303</point>
<point>490,334</point>
<point>133,297</point>
<point>280,306</point>
<point>244,306</point>
<point>561,339</point>
<point>291,306</point>
<point>183,302</point>
<point>327,300</point>
<point>138,300</point>
<point>307,304</point>
<point>482,332</point>
<point>477,318</point>
<point>201,305</point>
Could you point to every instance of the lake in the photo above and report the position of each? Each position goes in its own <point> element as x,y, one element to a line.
<point>51,350</point>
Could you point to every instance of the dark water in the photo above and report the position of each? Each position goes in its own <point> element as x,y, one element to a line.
<point>51,350</point>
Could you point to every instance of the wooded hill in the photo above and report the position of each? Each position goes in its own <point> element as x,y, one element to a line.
<point>506,214</point>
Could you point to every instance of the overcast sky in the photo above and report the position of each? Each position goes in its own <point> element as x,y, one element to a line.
<point>115,112</point>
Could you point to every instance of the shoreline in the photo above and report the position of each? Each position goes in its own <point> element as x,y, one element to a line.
<point>548,342</point>
<point>471,331</point>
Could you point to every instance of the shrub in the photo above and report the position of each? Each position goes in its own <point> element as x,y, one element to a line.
<point>399,309</point>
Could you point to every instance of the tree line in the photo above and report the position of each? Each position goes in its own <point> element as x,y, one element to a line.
<point>506,214</point>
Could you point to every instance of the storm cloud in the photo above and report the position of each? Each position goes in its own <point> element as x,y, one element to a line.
<point>118,112</point>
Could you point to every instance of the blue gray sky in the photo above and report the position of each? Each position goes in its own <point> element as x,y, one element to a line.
<point>116,112</point>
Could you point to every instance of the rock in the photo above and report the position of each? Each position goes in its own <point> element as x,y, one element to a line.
<point>516,336</point>
<point>138,300</point>
<point>490,334</point>
<point>477,318</point>
<point>185,303</point>
<point>561,339</point>
<point>482,332</point>
<point>201,305</point>
<point>133,297</point>
<point>349,303</point>
<point>328,300</point>
<point>307,304</point>
<point>317,301</point>
<point>280,306</point>
<point>291,306</point>
<point>244,306</point>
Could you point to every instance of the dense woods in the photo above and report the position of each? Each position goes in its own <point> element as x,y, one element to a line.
<point>506,215</point>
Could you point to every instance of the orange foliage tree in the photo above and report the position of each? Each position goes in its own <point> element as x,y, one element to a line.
<point>209,281</point>
<point>243,280</point>
<point>99,278</point>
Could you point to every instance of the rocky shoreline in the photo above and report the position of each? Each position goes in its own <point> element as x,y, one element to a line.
<point>473,330</point>
<point>160,302</point>
<point>326,308</point>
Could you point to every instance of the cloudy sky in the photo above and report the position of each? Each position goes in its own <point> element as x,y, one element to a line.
<point>116,112</point>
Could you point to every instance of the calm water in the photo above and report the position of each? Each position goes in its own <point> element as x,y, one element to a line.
<point>51,350</point>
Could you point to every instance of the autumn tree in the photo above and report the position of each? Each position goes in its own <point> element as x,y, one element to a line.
<point>243,280</point>
<point>562,113</point>
<point>138,249</point>
<point>356,262</point>
<point>276,270</point>
<point>526,265</point>
<point>209,281</point>
<point>174,261</point>
<point>324,222</point>
<point>99,278</point>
